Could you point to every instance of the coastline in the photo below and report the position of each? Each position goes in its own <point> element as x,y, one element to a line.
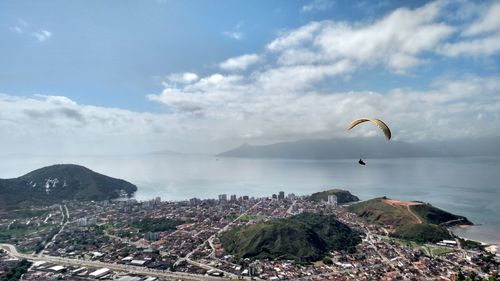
<point>489,247</point>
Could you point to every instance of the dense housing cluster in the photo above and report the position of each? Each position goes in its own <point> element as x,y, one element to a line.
<point>156,240</point>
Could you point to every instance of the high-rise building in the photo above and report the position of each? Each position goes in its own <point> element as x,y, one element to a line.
<point>245,197</point>
<point>291,196</point>
<point>92,221</point>
<point>274,196</point>
<point>233,198</point>
<point>332,200</point>
<point>153,236</point>
<point>82,221</point>
<point>194,201</point>
<point>281,195</point>
<point>222,197</point>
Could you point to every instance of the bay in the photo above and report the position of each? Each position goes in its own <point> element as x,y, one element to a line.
<point>465,186</point>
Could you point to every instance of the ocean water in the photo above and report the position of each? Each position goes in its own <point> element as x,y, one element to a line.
<point>465,186</point>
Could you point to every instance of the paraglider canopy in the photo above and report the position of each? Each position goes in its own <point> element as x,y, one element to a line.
<point>378,122</point>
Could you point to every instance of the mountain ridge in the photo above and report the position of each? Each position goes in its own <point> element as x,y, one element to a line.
<point>339,148</point>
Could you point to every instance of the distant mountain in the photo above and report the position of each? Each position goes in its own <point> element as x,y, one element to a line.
<point>305,237</point>
<point>343,196</point>
<point>166,153</point>
<point>61,182</point>
<point>339,148</point>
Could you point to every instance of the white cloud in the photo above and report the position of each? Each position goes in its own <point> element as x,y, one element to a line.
<point>236,35</point>
<point>185,77</point>
<point>317,5</point>
<point>251,110</point>
<point>20,26</point>
<point>480,46</point>
<point>395,41</point>
<point>16,29</point>
<point>42,35</point>
<point>490,22</point>
<point>481,37</point>
<point>279,99</point>
<point>240,63</point>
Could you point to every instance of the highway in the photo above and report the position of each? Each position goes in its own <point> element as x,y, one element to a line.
<point>115,267</point>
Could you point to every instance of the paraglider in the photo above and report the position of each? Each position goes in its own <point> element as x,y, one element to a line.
<point>378,122</point>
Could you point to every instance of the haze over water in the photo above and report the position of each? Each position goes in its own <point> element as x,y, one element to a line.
<point>464,186</point>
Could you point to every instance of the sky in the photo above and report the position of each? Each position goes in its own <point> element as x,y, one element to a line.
<point>83,77</point>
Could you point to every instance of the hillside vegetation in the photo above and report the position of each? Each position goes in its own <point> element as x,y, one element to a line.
<point>343,196</point>
<point>56,183</point>
<point>414,221</point>
<point>434,215</point>
<point>424,232</point>
<point>376,211</point>
<point>305,237</point>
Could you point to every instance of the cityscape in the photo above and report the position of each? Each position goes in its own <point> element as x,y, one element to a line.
<point>301,140</point>
<point>102,240</point>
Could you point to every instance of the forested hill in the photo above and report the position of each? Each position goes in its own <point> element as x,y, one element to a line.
<point>55,183</point>
<point>304,237</point>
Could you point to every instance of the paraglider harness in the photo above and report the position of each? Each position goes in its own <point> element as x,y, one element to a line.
<point>361,162</point>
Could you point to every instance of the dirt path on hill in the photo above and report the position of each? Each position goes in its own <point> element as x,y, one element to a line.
<point>419,221</point>
<point>405,205</point>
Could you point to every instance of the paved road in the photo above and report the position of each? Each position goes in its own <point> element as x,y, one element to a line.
<point>116,267</point>
<point>212,254</point>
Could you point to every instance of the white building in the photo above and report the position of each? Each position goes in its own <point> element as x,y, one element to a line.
<point>100,273</point>
<point>332,200</point>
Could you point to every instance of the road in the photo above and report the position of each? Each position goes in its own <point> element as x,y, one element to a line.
<point>64,221</point>
<point>210,242</point>
<point>115,267</point>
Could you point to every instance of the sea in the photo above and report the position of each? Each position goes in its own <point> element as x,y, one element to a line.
<point>468,186</point>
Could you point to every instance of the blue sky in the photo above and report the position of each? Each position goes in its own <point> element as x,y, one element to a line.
<point>186,71</point>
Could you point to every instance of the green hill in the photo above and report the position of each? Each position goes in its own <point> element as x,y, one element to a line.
<point>420,222</point>
<point>434,215</point>
<point>343,196</point>
<point>305,237</point>
<point>61,182</point>
<point>421,233</point>
<point>376,211</point>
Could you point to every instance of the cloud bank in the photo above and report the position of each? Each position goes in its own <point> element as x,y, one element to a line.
<point>279,94</point>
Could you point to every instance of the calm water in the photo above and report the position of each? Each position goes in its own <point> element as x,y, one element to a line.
<point>465,186</point>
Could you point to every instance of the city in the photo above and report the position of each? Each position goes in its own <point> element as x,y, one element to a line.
<point>159,240</point>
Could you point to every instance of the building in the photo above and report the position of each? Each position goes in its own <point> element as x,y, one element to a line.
<point>194,201</point>
<point>233,198</point>
<point>332,200</point>
<point>82,221</point>
<point>245,197</point>
<point>291,196</point>
<point>281,195</point>
<point>274,196</point>
<point>100,273</point>
<point>222,197</point>
<point>153,236</point>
